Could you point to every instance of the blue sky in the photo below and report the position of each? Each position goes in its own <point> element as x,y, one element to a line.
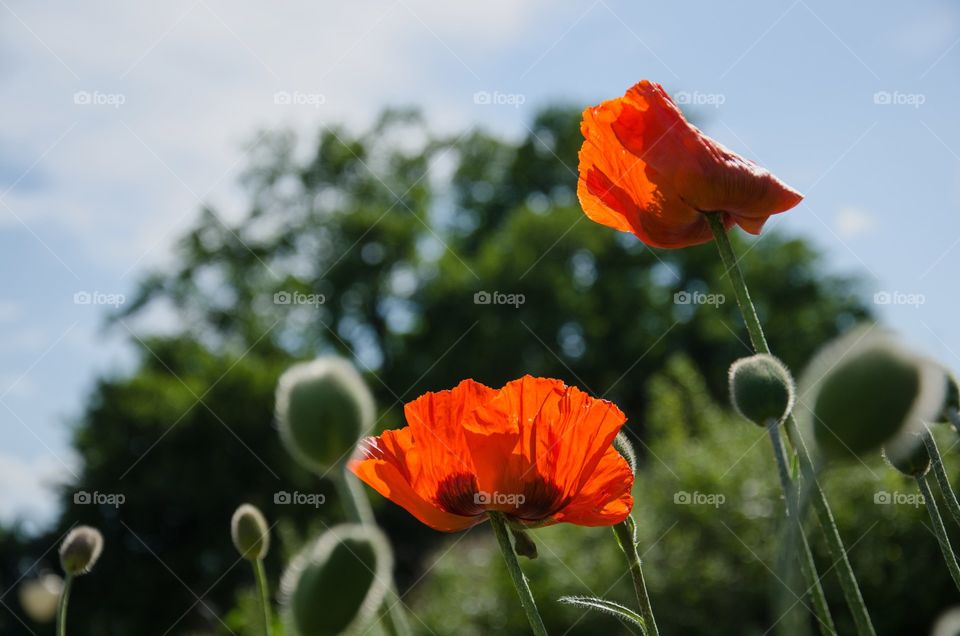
<point>121,119</point>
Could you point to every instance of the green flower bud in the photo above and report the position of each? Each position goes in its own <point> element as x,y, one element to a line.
<point>250,533</point>
<point>323,408</point>
<point>865,391</point>
<point>912,462</point>
<point>338,582</point>
<point>622,443</point>
<point>39,597</point>
<point>80,550</point>
<point>761,389</point>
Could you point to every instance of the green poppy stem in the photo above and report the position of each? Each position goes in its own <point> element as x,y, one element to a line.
<point>499,525</point>
<point>936,464</point>
<point>358,510</point>
<point>354,500</point>
<point>625,537</point>
<point>263,596</point>
<point>848,581</point>
<point>807,565</point>
<point>940,530</point>
<point>62,606</point>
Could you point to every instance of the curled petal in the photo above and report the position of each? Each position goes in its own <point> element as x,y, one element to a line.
<point>646,170</point>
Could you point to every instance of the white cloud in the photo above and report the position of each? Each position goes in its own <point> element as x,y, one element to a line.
<point>27,488</point>
<point>853,222</point>
<point>10,311</point>
<point>196,79</point>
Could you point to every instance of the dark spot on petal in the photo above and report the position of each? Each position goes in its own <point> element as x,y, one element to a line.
<point>457,494</point>
<point>541,499</point>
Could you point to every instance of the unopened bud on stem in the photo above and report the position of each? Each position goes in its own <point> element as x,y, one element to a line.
<point>337,583</point>
<point>250,533</point>
<point>761,389</point>
<point>912,462</point>
<point>80,550</point>
<point>622,443</point>
<point>323,408</point>
<point>865,391</point>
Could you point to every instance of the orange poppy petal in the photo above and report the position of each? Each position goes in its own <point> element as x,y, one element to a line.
<point>618,186</point>
<point>540,439</point>
<point>389,464</point>
<point>645,169</point>
<point>702,171</point>
<point>573,434</point>
<point>499,433</point>
<point>605,499</point>
<point>435,422</point>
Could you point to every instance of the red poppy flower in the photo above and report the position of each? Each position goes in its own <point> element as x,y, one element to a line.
<point>536,450</point>
<point>645,169</point>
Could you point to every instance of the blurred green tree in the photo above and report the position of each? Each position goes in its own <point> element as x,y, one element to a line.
<point>383,245</point>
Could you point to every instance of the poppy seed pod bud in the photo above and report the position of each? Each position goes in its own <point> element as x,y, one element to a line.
<point>866,391</point>
<point>337,582</point>
<point>622,443</point>
<point>323,408</point>
<point>912,462</point>
<point>250,533</point>
<point>761,389</point>
<point>80,550</point>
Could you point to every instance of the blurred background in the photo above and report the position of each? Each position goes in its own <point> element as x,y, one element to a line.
<point>194,195</point>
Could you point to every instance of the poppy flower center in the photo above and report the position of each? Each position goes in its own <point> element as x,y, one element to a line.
<point>458,494</point>
<point>542,498</point>
<point>536,500</point>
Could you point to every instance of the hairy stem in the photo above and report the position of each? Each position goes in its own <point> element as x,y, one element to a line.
<point>940,530</point>
<point>848,581</point>
<point>358,510</point>
<point>936,464</point>
<point>807,565</point>
<point>62,606</point>
<point>516,574</point>
<point>263,595</point>
<point>625,537</point>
